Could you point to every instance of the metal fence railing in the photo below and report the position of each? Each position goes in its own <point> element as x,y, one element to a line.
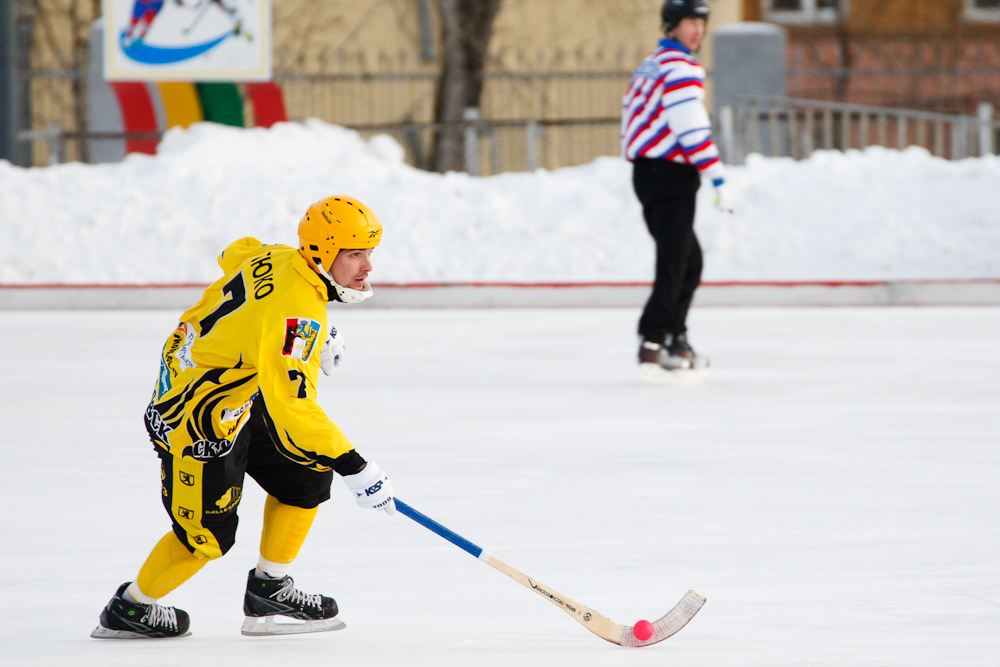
<point>771,126</point>
<point>491,147</point>
<point>789,127</point>
<point>566,105</point>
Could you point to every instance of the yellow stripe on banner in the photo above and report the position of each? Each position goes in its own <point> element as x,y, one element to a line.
<point>181,102</point>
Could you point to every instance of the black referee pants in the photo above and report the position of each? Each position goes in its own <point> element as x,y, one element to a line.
<point>667,193</point>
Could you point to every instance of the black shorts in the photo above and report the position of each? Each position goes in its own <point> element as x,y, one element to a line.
<point>202,496</point>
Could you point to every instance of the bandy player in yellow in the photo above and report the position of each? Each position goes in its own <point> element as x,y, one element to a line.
<point>236,395</point>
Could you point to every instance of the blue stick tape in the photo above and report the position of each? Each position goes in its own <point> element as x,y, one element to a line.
<point>434,526</point>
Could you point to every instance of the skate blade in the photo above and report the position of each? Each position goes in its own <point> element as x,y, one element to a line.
<point>262,626</point>
<point>657,374</point>
<point>101,632</point>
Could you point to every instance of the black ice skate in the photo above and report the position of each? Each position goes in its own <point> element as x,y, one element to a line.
<point>123,619</point>
<point>679,348</point>
<point>671,361</point>
<point>267,598</point>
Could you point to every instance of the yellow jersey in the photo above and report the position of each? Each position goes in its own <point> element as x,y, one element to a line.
<point>255,335</point>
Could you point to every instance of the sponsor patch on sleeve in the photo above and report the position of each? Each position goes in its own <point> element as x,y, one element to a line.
<point>301,334</point>
<point>176,356</point>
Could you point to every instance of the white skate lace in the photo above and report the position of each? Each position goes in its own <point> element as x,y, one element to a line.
<point>288,592</point>
<point>162,616</point>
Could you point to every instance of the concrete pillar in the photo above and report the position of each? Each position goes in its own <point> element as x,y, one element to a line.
<point>14,103</point>
<point>986,133</point>
<point>8,72</point>
<point>103,114</point>
<point>748,59</point>
<point>724,12</point>
<point>471,115</point>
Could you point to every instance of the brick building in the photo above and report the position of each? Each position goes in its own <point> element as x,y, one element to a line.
<point>940,55</point>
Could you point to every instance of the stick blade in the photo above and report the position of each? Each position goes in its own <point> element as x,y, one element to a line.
<point>670,624</point>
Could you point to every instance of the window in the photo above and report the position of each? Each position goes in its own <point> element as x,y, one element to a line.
<point>982,10</point>
<point>809,11</point>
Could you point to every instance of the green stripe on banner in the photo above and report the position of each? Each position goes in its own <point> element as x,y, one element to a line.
<point>221,103</point>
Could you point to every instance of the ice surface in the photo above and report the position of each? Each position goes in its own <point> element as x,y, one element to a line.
<point>832,491</point>
<point>872,215</point>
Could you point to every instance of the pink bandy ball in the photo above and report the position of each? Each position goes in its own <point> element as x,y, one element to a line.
<point>642,630</point>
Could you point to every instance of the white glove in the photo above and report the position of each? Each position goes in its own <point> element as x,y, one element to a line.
<point>723,198</point>
<point>333,351</point>
<point>372,489</point>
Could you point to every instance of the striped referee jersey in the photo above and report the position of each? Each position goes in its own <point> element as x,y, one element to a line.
<point>663,112</point>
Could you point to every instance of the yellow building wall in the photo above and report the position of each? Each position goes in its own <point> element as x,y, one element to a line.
<point>324,50</point>
<point>529,35</point>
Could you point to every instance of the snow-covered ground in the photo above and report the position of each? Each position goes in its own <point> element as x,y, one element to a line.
<point>832,491</point>
<point>872,215</point>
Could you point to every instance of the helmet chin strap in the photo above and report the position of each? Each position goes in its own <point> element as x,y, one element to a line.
<point>346,294</point>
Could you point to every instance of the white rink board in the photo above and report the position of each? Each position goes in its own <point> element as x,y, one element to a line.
<point>482,295</point>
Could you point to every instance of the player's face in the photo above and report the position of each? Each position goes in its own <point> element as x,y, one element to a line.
<point>351,268</point>
<point>689,32</point>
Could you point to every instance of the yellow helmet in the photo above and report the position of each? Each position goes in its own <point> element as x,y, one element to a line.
<point>334,224</point>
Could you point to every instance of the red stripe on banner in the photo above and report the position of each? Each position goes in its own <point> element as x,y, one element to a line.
<point>138,114</point>
<point>267,102</point>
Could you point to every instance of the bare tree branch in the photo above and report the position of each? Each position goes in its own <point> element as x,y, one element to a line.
<point>467,26</point>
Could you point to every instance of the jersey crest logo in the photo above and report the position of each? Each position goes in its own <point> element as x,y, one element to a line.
<point>301,334</point>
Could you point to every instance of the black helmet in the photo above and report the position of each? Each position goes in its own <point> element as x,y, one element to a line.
<point>675,10</point>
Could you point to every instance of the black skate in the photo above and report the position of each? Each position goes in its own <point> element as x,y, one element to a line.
<point>671,361</point>
<point>122,619</point>
<point>267,598</point>
<point>679,348</point>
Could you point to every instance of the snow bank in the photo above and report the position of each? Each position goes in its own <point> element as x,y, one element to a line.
<point>872,215</point>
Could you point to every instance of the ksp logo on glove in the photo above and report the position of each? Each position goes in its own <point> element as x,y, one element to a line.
<point>372,488</point>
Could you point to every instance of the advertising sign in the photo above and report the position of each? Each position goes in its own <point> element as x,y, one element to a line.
<point>187,40</point>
